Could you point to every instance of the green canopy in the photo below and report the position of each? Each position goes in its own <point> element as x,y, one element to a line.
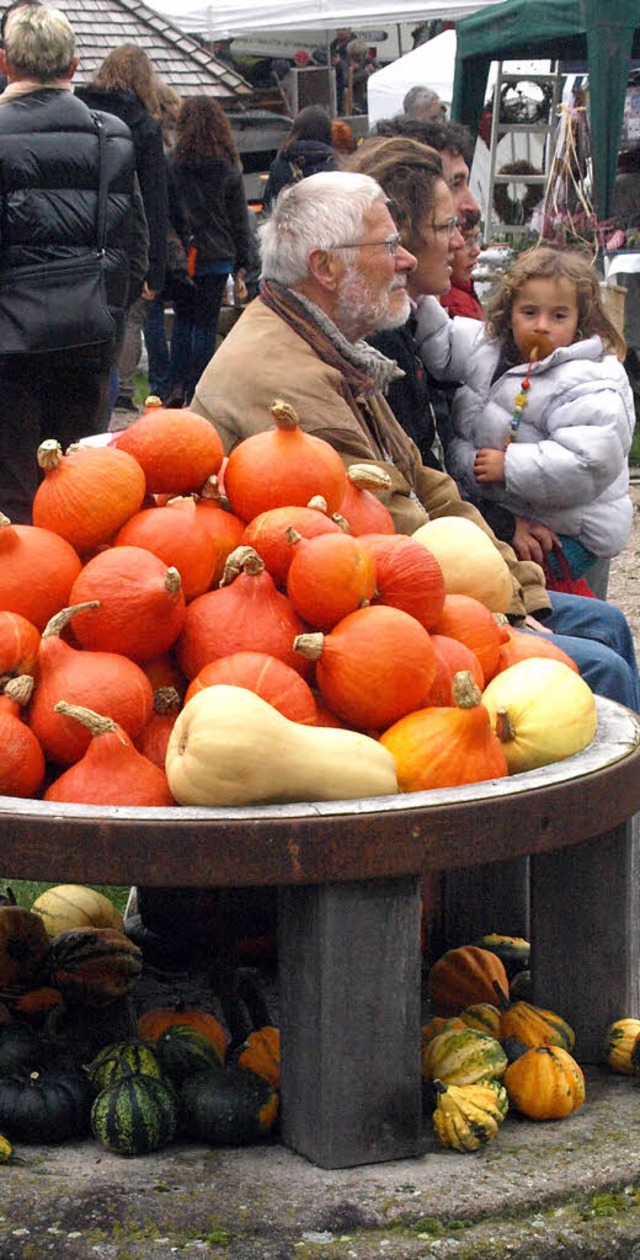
<point>604,34</point>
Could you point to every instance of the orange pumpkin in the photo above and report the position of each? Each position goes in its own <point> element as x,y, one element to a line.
<point>452,656</point>
<point>407,576</point>
<point>261,1054</point>
<point>281,466</point>
<point>329,576</point>
<point>265,675</point>
<point>87,494</point>
<point>245,614</point>
<point>224,529</point>
<point>444,747</point>
<point>177,449</point>
<point>463,977</point>
<point>37,571</point>
<point>22,764</point>
<point>466,619</point>
<point>153,1023</point>
<point>105,681</point>
<point>363,512</point>
<point>154,737</point>
<point>376,665</point>
<point>180,539</point>
<point>521,645</point>
<point>19,643</point>
<point>140,607</point>
<point>267,534</point>
<point>112,771</point>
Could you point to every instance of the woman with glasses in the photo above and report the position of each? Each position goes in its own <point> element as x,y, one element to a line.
<point>422,206</point>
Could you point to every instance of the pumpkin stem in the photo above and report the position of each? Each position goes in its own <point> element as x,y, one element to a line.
<point>466,692</point>
<point>504,1002</point>
<point>292,536</point>
<point>319,503</point>
<point>49,455</point>
<point>19,689</point>
<point>284,415</point>
<point>166,700</point>
<point>242,560</point>
<point>97,723</point>
<point>368,477</point>
<point>504,729</point>
<point>4,520</point>
<point>439,1086</point>
<point>310,646</point>
<point>153,401</point>
<point>341,521</point>
<point>172,581</point>
<point>58,622</point>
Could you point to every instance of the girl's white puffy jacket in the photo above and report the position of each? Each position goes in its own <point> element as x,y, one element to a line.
<point>568,465</point>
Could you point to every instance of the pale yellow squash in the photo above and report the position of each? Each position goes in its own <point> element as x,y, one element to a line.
<point>471,563</point>
<point>542,711</point>
<point>74,906</point>
<point>229,747</point>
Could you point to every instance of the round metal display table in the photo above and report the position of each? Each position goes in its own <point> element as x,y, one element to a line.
<point>349,875</point>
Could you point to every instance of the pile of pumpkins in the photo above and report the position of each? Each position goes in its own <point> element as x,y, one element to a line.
<point>172,1076</point>
<point>176,628</point>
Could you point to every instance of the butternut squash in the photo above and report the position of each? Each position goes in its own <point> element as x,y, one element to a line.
<point>229,747</point>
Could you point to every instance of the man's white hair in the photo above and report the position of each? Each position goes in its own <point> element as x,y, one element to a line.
<point>39,42</point>
<point>319,212</point>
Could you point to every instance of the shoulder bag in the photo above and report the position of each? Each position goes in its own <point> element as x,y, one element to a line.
<point>62,304</point>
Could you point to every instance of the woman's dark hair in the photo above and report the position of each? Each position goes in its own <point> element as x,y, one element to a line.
<point>312,123</point>
<point>407,171</point>
<point>203,130</point>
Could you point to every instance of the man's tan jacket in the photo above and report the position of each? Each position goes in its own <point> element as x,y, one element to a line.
<point>262,359</point>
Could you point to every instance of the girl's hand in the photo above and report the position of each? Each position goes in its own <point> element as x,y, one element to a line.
<point>489,465</point>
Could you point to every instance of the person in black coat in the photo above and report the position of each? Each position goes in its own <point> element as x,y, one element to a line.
<point>306,150</point>
<point>57,337</point>
<point>209,211</point>
<point>126,85</point>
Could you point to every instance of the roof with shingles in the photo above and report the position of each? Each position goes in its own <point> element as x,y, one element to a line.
<point>101,25</point>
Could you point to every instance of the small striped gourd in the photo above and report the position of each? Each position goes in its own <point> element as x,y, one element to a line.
<point>135,1115</point>
<point>121,1059</point>
<point>93,965</point>
<point>230,1108</point>
<point>462,1056</point>
<point>181,1050</point>
<point>467,1116</point>
<point>546,1083</point>
<point>533,1025</point>
<point>619,1041</point>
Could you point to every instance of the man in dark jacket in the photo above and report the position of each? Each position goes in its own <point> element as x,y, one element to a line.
<point>62,302</point>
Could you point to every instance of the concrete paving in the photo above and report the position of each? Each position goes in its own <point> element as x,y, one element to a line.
<point>539,1191</point>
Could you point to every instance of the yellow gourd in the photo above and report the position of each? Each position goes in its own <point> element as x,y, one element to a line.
<point>74,905</point>
<point>229,747</point>
<point>619,1041</point>
<point>542,711</point>
<point>467,1116</point>
<point>471,563</point>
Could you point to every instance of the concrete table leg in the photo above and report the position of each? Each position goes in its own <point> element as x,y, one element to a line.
<point>349,994</point>
<point>585,918</point>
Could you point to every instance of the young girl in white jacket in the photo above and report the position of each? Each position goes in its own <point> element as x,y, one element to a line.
<point>543,420</point>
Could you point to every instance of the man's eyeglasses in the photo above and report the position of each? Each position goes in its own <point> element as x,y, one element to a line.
<point>392,245</point>
<point>449,227</point>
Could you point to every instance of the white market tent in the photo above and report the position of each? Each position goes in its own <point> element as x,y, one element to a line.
<point>431,65</point>
<point>226,18</point>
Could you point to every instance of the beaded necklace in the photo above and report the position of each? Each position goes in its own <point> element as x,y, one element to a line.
<point>538,347</point>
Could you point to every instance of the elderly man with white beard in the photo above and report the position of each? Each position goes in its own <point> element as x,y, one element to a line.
<point>334,270</point>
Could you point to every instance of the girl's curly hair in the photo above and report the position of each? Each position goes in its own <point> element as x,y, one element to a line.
<point>547,261</point>
<point>203,130</point>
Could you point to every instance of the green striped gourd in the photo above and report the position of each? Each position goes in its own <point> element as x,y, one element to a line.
<point>181,1050</point>
<point>229,1108</point>
<point>483,1016</point>
<point>121,1059</point>
<point>513,951</point>
<point>467,1116</point>
<point>462,1056</point>
<point>93,965</point>
<point>135,1115</point>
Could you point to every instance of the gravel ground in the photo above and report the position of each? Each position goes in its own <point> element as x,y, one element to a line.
<point>624,580</point>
